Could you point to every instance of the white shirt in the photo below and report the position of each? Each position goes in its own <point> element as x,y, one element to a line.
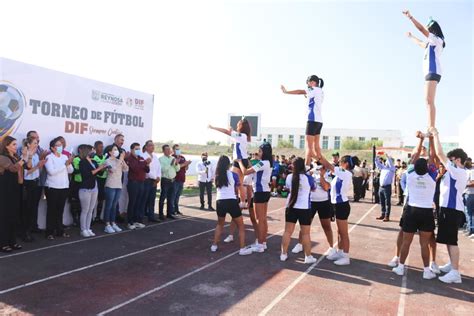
<point>205,173</point>
<point>470,177</point>
<point>155,166</point>
<point>431,59</point>
<point>421,188</point>
<point>303,202</point>
<point>452,186</point>
<point>319,194</point>
<point>263,176</point>
<point>240,146</point>
<point>315,98</point>
<point>340,185</point>
<point>228,192</point>
<point>57,172</point>
<point>35,174</point>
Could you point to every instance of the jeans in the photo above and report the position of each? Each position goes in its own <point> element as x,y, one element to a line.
<point>136,200</point>
<point>469,212</point>
<point>112,197</point>
<point>178,190</point>
<point>167,193</point>
<point>88,199</point>
<point>207,186</point>
<point>385,194</point>
<point>150,197</point>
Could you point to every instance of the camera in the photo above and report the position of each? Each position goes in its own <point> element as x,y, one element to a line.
<point>207,163</point>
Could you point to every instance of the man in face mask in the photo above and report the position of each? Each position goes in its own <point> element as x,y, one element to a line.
<point>180,177</point>
<point>205,172</point>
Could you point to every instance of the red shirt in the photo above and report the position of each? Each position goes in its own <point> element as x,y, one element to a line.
<point>137,168</point>
<point>181,174</point>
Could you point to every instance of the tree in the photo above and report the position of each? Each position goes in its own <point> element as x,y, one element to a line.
<point>285,144</point>
<point>351,144</point>
<point>213,143</point>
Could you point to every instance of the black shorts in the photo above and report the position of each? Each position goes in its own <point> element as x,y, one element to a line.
<point>246,163</point>
<point>342,210</point>
<point>324,209</point>
<point>293,215</point>
<point>313,128</point>
<point>261,197</point>
<point>403,213</point>
<point>433,77</point>
<point>230,206</point>
<point>418,219</point>
<point>449,221</point>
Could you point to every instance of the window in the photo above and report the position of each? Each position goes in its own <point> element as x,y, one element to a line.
<point>337,142</point>
<point>349,138</point>
<point>361,139</point>
<point>375,139</point>
<point>302,141</point>
<point>280,137</point>
<point>269,138</point>
<point>291,139</point>
<point>325,142</point>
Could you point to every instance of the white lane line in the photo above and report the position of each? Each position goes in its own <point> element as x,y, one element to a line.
<point>109,260</point>
<point>285,292</point>
<point>106,235</point>
<point>403,292</point>
<point>114,308</point>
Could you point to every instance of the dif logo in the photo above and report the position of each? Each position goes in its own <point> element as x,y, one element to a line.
<point>12,105</point>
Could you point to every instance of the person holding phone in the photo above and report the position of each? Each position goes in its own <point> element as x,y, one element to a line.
<point>169,168</point>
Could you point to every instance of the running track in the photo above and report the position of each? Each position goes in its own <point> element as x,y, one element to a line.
<point>167,268</point>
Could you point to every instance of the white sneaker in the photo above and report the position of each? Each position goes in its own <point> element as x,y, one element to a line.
<point>399,270</point>
<point>131,226</point>
<point>265,246</point>
<point>243,205</point>
<point>297,248</point>
<point>257,248</point>
<point>446,268</point>
<point>330,252</point>
<point>91,233</point>
<point>471,236</point>
<point>245,251</point>
<point>274,194</point>
<point>452,277</point>
<point>309,260</point>
<point>335,256</point>
<point>85,234</point>
<point>109,230</point>
<point>428,275</point>
<point>394,262</point>
<point>229,238</point>
<point>139,225</point>
<point>434,268</point>
<point>214,248</point>
<point>283,257</point>
<point>116,228</point>
<point>343,261</point>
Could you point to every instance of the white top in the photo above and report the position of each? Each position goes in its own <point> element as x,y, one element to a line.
<point>340,185</point>
<point>155,166</point>
<point>240,146</point>
<point>319,194</point>
<point>452,186</point>
<point>114,174</point>
<point>315,98</point>
<point>470,177</point>
<point>35,174</point>
<point>57,172</point>
<point>228,192</point>
<point>263,176</point>
<point>431,59</point>
<point>421,188</point>
<point>303,202</point>
<point>205,173</point>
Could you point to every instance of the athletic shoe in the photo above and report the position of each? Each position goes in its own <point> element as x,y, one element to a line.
<point>109,230</point>
<point>446,268</point>
<point>139,225</point>
<point>309,260</point>
<point>245,251</point>
<point>298,248</point>
<point>428,274</point>
<point>116,228</point>
<point>471,236</point>
<point>131,226</point>
<point>257,248</point>
<point>335,256</point>
<point>265,246</point>
<point>85,234</point>
<point>343,261</point>
<point>330,252</point>
<point>399,270</point>
<point>452,277</point>
<point>243,205</point>
<point>214,248</point>
<point>91,233</point>
<point>395,261</point>
<point>434,268</point>
<point>274,194</point>
<point>283,257</point>
<point>229,239</point>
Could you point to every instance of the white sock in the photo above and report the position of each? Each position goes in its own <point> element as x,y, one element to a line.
<point>455,271</point>
<point>401,266</point>
<point>426,269</point>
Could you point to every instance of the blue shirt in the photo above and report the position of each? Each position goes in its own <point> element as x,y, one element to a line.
<point>387,172</point>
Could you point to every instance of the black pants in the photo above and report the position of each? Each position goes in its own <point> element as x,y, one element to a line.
<point>358,187</point>
<point>101,196</point>
<point>56,199</point>
<point>400,194</point>
<point>208,187</point>
<point>32,195</point>
<point>167,193</point>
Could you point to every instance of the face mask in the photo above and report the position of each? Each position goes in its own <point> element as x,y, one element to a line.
<point>116,153</point>
<point>137,152</point>
<point>204,158</point>
<point>177,152</point>
<point>59,149</point>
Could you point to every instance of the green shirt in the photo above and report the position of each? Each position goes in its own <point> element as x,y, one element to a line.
<point>101,161</point>
<point>77,174</point>
<point>168,168</point>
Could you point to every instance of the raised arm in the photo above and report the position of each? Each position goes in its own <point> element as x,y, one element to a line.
<point>222,130</point>
<point>324,184</point>
<point>244,170</point>
<point>433,158</point>
<point>378,164</point>
<point>417,152</point>
<point>303,92</point>
<point>417,41</point>
<point>437,145</point>
<point>326,164</point>
<point>417,24</point>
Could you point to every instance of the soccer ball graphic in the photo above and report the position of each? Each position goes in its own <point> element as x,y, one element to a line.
<point>12,105</point>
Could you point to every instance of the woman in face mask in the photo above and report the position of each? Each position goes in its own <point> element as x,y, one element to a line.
<point>113,186</point>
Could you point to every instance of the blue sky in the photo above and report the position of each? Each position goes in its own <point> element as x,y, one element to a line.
<point>205,59</point>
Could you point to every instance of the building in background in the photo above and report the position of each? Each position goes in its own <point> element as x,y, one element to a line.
<point>331,138</point>
<point>466,135</point>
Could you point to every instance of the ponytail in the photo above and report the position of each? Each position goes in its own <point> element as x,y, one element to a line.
<point>298,168</point>
<point>321,83</point>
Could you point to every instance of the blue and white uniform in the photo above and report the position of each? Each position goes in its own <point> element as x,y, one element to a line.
<point>319,194</point>
<point>263,176</point>
<point>421,188</point>
<point>431,59</point>
<point>303,202</point>
<point>240,146</point>
<point>340,185</point>
<point>315,97</point>
<point>228,192</point>
<point>452,187</point>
